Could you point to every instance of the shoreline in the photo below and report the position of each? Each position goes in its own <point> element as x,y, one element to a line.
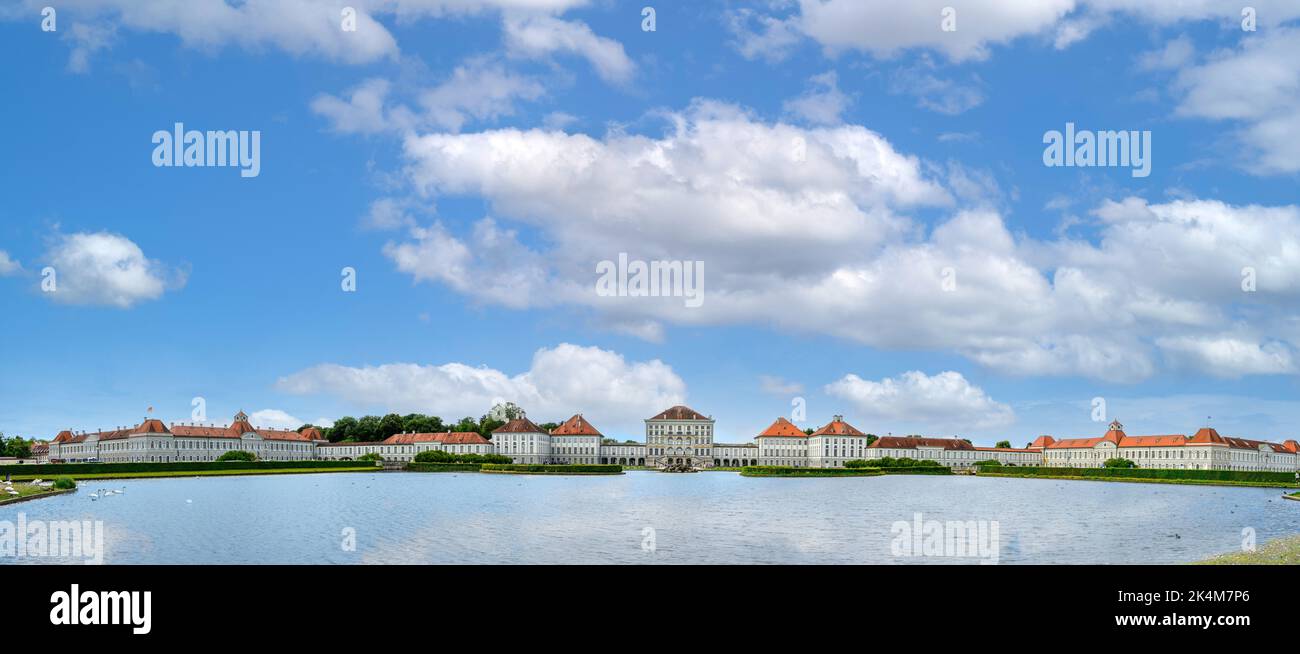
<point>37,496</point>
<point>162,474</point>
<point>1283,550</point>
<point>1138,480</point>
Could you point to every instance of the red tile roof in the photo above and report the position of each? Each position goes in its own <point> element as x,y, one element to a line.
<point>1042,441</point>
<point>680,412</point>
<point>912,442</point>
<point>151,426</point>
<point>452,437</point>
<point>576,426</point>
<point>519,426</point>
<point>837,427</point>
<point>1168,440</point>
<point>782,428</point>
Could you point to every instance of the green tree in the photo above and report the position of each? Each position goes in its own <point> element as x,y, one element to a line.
<point>389,425</point>
<point>237,455</point>
<point>487,424</point>
<point>344,428</point>
<point>466,424</point>
<point>1006,444</point>
<point>1119,463</point>
<point>549,427</point>
<point>368,428</point>
<point>871,438</point>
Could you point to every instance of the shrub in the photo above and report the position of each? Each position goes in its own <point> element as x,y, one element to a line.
<point>373,456</point>
<point>891,462</point>
<point>418,466</point>
<point>856,463</point>
<point>1147,473</point>
<point>440,456</point>
<point>237,455</point>
<point>1119,463</point>
<point>987,462</point>
<point>51,470</point>
<point>64,483</point>
<point>589,468</point>
<point>790,471</point>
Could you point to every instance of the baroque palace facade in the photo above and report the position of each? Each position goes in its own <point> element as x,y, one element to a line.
<point>676,436</point>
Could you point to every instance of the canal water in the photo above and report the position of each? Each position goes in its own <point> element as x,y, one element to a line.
<point>657,518</point>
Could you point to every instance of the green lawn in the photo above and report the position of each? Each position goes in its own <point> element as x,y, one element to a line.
<point>206,473</point>
<point>24,491</point>
<point>1138,480</point>
<point>1279,551</point>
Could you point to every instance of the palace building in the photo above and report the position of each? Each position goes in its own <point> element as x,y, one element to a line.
<point>153,441</point>
<point>676,436</point>
<point>1204,450</point>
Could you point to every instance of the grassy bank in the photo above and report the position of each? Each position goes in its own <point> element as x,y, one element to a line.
<point>786,471</point>
<point>1279,551</point>
<point>1251,478</point>
<point>209,473</point>
<point>31,492</point>
<point>538,469</point>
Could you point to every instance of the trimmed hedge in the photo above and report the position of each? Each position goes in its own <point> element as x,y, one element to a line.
<point>915,470</point>
<point>788,471</point>
<point>423,466</point>
<point>1145,473</point>
<point>585,469</point>
<point>53,469</point>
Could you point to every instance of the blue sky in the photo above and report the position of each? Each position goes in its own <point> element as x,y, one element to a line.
<point>473,161</point>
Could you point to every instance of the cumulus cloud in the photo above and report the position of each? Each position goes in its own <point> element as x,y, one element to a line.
<point>533,35</point>
<point>8,266</point>
<point>885,30</point>
<point>915,398</point>
<point>274,419</point>
<point>479,90</point>
<point>1257,86</point>
<point>806,230</point>
<point>777,386</point>
<point>298,27</point>
<point>1228,356</point>
<point>822,103</point>
<point>613,392</point>
<point>107,269</point>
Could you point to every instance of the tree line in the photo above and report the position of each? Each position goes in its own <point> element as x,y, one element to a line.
<point>377,428</point>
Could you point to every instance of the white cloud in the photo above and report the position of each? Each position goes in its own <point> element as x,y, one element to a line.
<point>1257,85</point>
<point>885,29</point>
<point>107,269</point>
<point>1174,54</point>
<point>8,266</point>
<point>914,398</point>
<point>364,111</point>
<point>478,90</point>
<point>801,229</point>
<point>761,36</point>
<point>274,419</point>
<point>777,386</point>
<point>1228,356</point>
<point>613,392</point>
<point>298,27</point>
<point>937,94</point>
<point>823,102</point>
<point>540,36</point>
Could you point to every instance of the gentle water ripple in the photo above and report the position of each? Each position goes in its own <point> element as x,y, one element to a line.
<point>697,518</point>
